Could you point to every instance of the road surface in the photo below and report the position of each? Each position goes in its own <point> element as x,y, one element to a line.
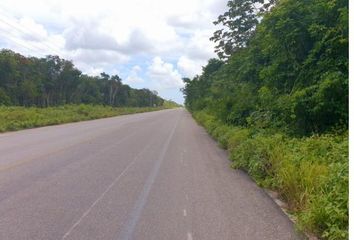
<point>153,176</point>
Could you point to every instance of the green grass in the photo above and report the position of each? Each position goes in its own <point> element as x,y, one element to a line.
<point>16,118</point>
<point>311,173</point>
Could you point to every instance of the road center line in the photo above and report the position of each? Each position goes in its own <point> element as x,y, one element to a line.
<point>129,227</point>
<point>103,194</point>
<point>189,236</point>
<point>184,212</point>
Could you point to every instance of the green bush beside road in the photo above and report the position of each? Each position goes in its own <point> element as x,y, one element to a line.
<point>309,173</point>
<point>277,98</point>
<point>16,118</point>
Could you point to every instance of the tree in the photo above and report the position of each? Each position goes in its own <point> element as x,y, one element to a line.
<point>52,81</point>
<point>238,25</point>
<point>289,71</point>
<point>115,83</point>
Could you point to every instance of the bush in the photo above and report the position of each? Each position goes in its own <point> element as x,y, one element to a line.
<point>237,136</point>
<point>310,173</point>
<point>15,118</point>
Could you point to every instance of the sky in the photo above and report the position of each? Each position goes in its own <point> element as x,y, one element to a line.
<point>148,43</point>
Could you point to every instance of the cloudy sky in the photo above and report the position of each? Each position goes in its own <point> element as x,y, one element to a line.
<point>148,43</point>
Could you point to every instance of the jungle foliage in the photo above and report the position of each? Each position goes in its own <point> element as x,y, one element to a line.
<point>278,101</point>
<point>310,173</point>
<point>293,74</point>
<point>53,81</point>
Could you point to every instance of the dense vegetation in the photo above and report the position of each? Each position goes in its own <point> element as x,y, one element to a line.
<point>16,117</point>
<point>45,91</point>
<point>310,173</point>
<point>278,101</point>
<point>52,81</point>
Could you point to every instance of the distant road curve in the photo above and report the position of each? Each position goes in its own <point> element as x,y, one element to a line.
<point>148,176</point>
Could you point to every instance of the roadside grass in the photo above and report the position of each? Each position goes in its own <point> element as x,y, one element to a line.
<point>16,118</point>
<point>311,173</point>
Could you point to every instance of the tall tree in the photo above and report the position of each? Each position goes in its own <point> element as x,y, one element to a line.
<point>51,81</point>
<point>238,25</point>
<point>289,71</point>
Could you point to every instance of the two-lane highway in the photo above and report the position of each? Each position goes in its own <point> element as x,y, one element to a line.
<point>153,176</point>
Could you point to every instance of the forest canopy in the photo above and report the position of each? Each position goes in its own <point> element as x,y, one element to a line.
<point>277,100</point>
<point>53,81</point>
<point>289,71</point>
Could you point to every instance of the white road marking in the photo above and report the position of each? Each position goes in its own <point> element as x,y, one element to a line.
<point>184,212</point>
<point>103,194</point>
<point>128,230</point>
<point>189,236</point>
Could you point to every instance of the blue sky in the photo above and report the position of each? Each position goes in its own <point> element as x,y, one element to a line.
<point>148,43</point>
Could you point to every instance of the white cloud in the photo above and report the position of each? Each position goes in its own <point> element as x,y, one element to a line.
<point>188,67</point>
<point>91,71</point>
<point>137,43</point>
<point>28,36</point>
<point>132,27</point>
<point>133,76</point>
<point>31,30</point>
<point>199,46</point>
<point>191,20</point>
<point>136,68</point>
<point>164,75</point>
<point>197,52</point>
<point>108,34</point>
<point>87,35</point>
<point>98,57</point>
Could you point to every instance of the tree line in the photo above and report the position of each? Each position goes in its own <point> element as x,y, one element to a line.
<point>53,81</point>
<point>283,64</point>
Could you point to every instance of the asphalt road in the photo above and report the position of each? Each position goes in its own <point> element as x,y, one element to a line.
<point>153,176</point>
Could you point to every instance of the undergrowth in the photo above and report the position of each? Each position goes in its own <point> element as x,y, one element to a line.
<point>309,173</point>
<point>16,118</point>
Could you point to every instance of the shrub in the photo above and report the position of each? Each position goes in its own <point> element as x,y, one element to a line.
<point>310,173</point>
<point>15,118</point>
